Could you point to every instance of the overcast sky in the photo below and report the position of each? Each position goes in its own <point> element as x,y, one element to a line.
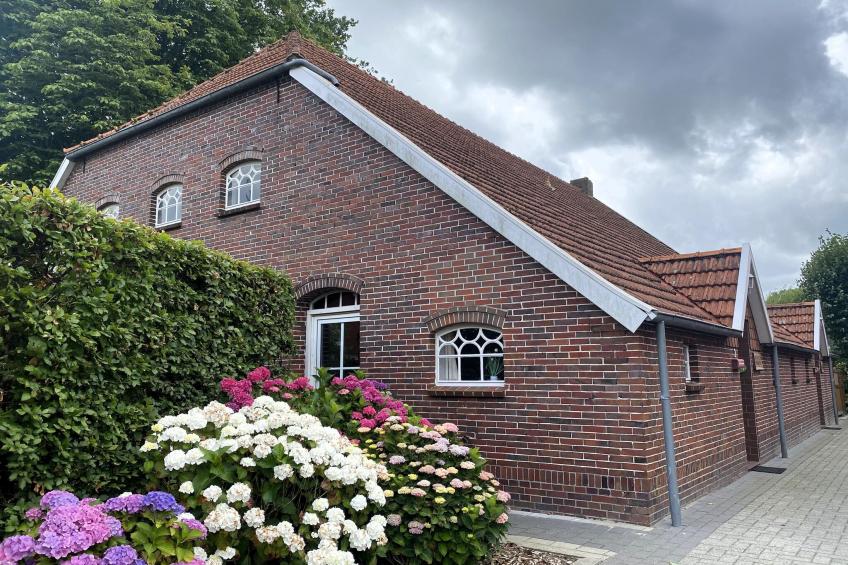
<point>709,123</point>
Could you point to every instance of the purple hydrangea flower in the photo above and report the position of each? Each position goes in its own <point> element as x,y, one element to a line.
<point>132,504</point>
<point>162,502</point>
<point>84,559</point>
<point>56,498</point>
<point>15,548</point>
<point>196,525</point>
<point>120,555</point>
<point>34,513</point>
<point>71,529</point>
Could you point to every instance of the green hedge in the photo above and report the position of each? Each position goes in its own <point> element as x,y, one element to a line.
<point>104,324</point>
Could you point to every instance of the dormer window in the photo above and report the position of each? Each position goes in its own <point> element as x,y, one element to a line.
<point>243,185</point>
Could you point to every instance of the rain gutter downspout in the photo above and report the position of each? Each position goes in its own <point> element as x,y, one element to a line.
<point>668,435</point>
<point>833,390</point>
<point>210,98</point>
<point>775,372</point>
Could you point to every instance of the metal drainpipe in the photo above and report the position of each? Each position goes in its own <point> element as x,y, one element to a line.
<point>833,391</point>
<point>775,372</point>
<point>668,435</point>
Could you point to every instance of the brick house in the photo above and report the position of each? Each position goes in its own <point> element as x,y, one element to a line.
<point>483,289</point>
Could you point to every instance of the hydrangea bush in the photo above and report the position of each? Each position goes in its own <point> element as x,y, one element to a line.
<point>442,505</point>
<point>131,529</point>
<point>272,484</point>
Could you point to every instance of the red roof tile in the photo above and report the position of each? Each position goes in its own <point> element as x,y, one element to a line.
<point>583,226</point>
<point>797,318</point>
<point>708,278</point>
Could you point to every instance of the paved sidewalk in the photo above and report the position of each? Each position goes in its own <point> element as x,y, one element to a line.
<point>800,516</point>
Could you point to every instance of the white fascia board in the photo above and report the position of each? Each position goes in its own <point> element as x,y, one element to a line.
<point>628,310</point>
<point>742,288</point>
<point>746,293</point>
<point>818,325</point>
<point>62,174</point>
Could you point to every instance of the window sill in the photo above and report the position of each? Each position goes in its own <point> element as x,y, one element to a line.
<point>169,227</point>
<point>695,387</point>
<point>467,391</point>
<point>225,212</point>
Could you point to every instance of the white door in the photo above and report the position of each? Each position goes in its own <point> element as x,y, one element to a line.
<point>332,335</point>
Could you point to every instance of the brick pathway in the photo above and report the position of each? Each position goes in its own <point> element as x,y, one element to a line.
<point>800,516</point>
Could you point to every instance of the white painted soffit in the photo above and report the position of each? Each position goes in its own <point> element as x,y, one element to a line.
<point>62,174</point>
<point>748,289</point>
<point>628,310</point>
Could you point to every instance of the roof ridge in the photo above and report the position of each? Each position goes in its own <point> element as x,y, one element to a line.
<point>793,304</point>
<point>692,255</point>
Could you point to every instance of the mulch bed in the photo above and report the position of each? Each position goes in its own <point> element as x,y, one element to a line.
<point>511,554</point>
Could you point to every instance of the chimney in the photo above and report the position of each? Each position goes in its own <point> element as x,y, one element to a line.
<point>584,184</point>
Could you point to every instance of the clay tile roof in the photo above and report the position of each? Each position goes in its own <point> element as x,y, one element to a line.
<point>708,278</point>
<point>797,319</point>
<point>583,226</point>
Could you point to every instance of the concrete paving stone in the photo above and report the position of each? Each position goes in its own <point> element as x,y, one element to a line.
<point>800,516</point>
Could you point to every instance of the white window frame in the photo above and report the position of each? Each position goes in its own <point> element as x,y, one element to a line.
<point>480,383</point>
<point>257,189</point>
<point>687,364</point>
<point>159,197</point>
<point>314,320</point>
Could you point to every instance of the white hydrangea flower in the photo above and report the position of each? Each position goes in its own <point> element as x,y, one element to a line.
<point>247,462</point>
<point>329,556</point>
<point>261,451</point>
<point>187,488</point>
<point>217,414</point>
<point>320,504</point>
<point>214,560</point>
<point>226,554</point>
<point>212,493</point>
<point>149,446</point>
<point>283,472</point>
<point>239,492</point>
<point>286,531</point>
<point>255,517</point>
<point>223,518</point>
<point>307,470</point>
<point>185,516</point>
<point>173,434</point>
<point>375,529</point>
<point>267,534</point>
<point>358,502</point>
<point>200,553</point>
<point>175,460</point>
<point>310,519</point>
<point>237,419</point>
<point>330,531</point>
<point>360,540</point>
<point>335,514</point>
<point>191,438</point>
<point>194,456</point>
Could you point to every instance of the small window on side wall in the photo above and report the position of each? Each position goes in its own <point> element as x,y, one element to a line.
<point>169,206</point>
<point>687,364</point>
<point>112,209</point>
<point>243,185</point>
<point>469,355</point>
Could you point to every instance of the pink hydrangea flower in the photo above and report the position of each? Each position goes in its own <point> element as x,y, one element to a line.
<point>502,519</point>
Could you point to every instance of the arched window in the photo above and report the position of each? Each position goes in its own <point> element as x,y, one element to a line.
<point>243,184</point>
<point>469,354</point>
<point>112,209</point>
<point>169,205</point>
<point>332,333</point>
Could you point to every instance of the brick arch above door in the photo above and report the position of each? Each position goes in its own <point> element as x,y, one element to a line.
<point>312,285</point>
